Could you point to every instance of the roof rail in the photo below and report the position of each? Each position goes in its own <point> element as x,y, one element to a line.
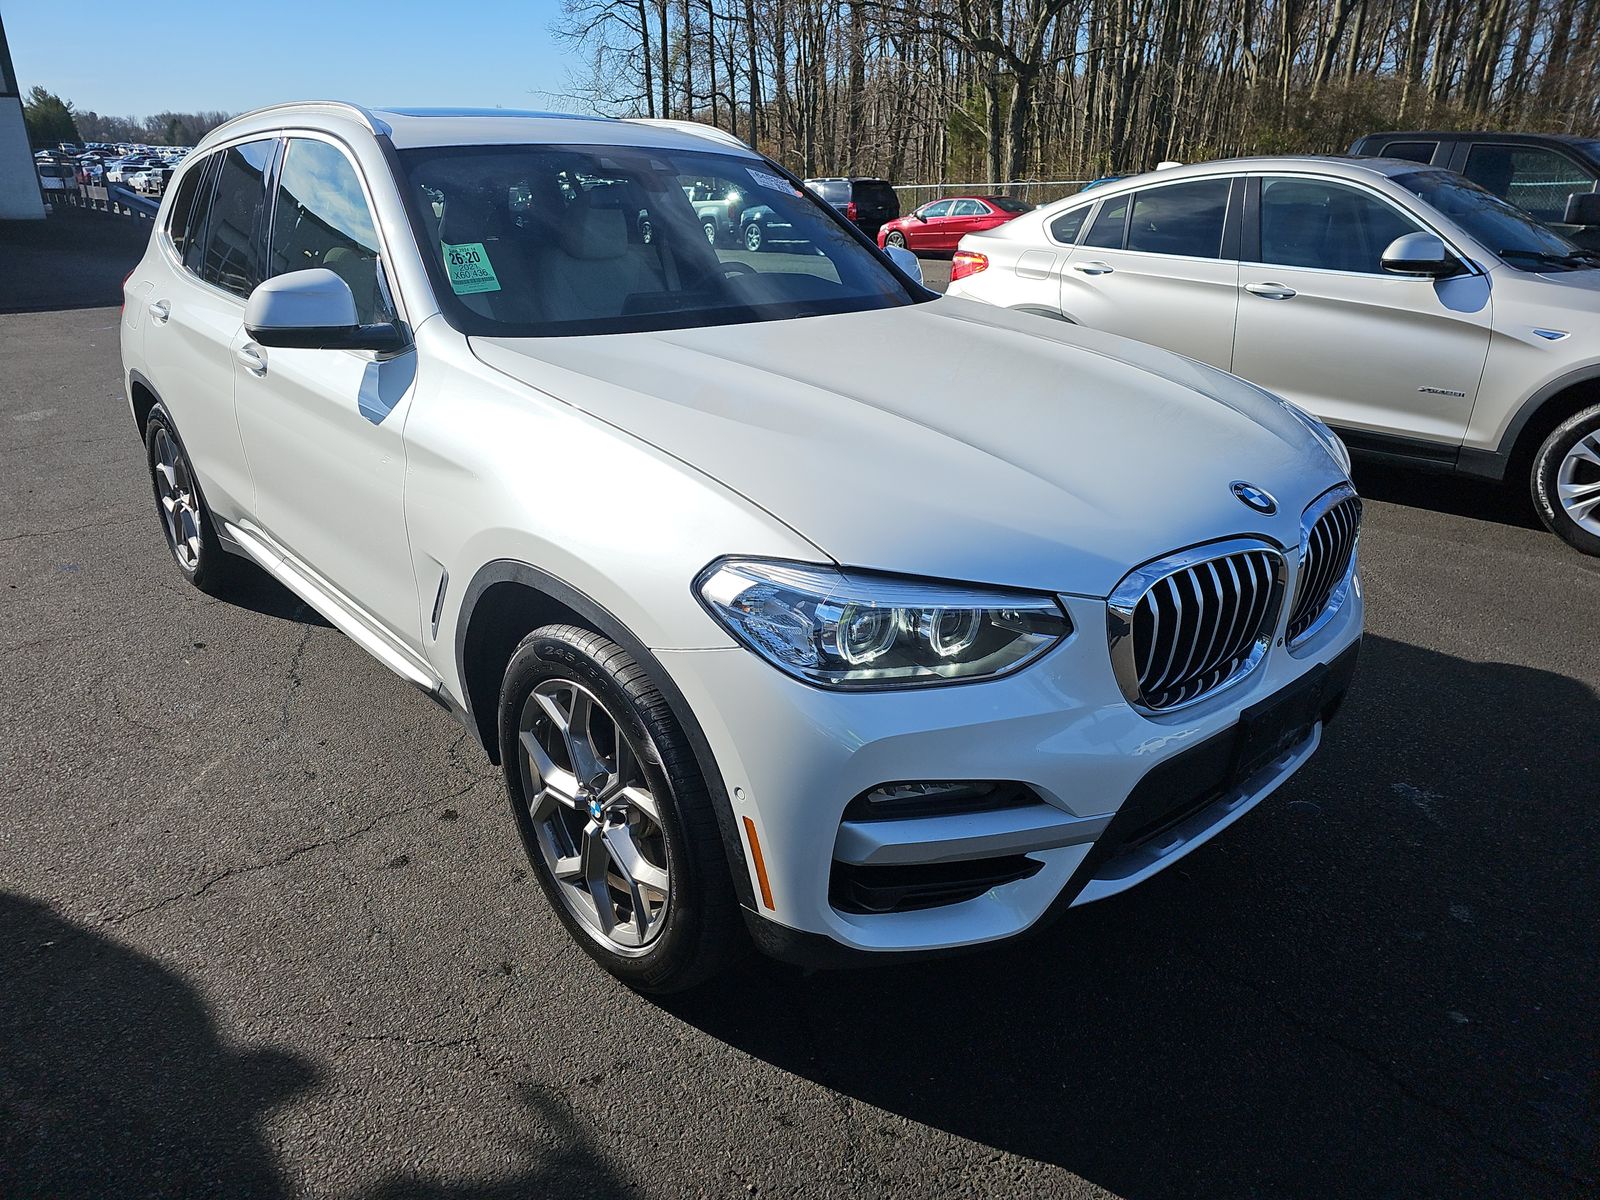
<point>343,107</point>
<point>695,128</point>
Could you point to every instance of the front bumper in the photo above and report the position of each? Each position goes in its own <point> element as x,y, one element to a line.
<point>1122,795</point>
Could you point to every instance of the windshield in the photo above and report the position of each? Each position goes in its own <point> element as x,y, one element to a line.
<point>538,241</point>
<point>1512,234</point>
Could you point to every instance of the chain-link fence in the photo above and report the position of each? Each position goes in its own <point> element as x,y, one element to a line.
<point>1029,191</point>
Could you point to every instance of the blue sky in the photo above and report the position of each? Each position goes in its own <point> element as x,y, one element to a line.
<point>137,57</point>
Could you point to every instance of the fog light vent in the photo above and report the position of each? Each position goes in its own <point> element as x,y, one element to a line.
<point>936,798</point>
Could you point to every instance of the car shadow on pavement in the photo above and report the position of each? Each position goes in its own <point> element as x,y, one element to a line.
<point>116,1083</point>
<point>1380,983</point>
<point>1460,495</point>
<point>252,588</point>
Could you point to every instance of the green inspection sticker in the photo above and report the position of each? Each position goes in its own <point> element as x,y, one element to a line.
<point>469,268</point>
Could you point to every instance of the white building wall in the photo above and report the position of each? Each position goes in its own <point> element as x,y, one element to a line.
<point>19,183</point>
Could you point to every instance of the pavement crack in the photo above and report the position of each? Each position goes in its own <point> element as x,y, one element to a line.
<point>1400,1085</point>
<point>265,864</point>
<point>44,533</point>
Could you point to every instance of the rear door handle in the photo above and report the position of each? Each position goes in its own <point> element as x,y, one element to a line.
<point>1093,268</point>
<point>160,310</point>
<point>251,359</point>
<point>1270,291</point>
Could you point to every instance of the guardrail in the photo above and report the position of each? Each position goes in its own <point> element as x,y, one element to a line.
<point>1029,191</point>
<point>109,198</point>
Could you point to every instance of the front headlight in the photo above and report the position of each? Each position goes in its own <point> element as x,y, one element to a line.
<point>843,630</point>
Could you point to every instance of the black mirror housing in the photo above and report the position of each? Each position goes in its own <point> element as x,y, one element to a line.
<point>1583,208</point>
<point>380,338</point>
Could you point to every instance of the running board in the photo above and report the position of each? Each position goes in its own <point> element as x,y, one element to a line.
<point>336,613</point>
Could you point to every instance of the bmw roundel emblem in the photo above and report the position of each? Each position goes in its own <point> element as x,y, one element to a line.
<point>1257,498</point>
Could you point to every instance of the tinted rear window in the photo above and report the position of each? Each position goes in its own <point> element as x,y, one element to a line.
<point>1419,152</point>
<point>1007,204</point>
<point>875,194</point>
<point>1183,218</point>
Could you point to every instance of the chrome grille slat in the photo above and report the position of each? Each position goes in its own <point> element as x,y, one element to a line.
<point>1185,626</point>
<point>1330,530</point>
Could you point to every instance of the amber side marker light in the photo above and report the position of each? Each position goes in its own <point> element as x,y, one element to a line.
<point>761,863</point>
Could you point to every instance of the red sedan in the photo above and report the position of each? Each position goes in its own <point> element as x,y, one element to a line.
<point>940,224</point>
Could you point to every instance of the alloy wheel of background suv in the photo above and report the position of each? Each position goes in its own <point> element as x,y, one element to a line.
<point>1566,480</point>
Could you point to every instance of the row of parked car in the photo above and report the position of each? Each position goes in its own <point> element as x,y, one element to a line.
<point>144,169</point>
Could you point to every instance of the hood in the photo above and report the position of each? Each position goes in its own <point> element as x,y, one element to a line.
<point>1558,293</point>
<point>951,438</point>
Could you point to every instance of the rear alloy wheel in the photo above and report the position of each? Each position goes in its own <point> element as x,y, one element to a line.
<point>613,811</point>
<point>190,534</point>
<point>711,231</point>
<point>896,238</point>
<point>753,236</point>
<point>1566,481</point>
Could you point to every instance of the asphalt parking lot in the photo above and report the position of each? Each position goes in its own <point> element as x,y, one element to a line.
<point>265,927</point>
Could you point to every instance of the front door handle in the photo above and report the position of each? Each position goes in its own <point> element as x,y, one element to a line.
<point>1093,268</point>
<point>251,359</point>
<point>160,310</point>
<point>1270,291</point>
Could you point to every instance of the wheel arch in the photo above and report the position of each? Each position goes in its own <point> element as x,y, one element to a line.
<point>1538,415</point>
<point>142,399</point>
<point>508,599</point>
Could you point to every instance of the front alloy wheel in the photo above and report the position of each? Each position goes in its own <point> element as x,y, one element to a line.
<point>896,238</point>
<point>614,812</point>
<point>597,825</point>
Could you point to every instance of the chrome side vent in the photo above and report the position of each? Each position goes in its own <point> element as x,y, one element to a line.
<point>1187,626</point>
<point>1329,531</point>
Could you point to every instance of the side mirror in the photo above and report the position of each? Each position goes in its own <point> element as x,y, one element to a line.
<point>1583,208</point>
<point>1423,254</point>
<point>920,217</point>
<point>905,260</point>
<point>313,310</point>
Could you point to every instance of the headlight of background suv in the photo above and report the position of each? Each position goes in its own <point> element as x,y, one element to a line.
<point>844,630</point>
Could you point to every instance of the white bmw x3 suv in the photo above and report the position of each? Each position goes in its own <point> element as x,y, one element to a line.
<point>1425,318</point>
<point>779,585</point>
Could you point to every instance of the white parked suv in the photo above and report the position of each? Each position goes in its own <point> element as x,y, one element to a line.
<point>1422,317</point>
<point>778,584</point>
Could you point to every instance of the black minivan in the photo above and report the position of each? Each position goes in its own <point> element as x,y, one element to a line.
<point>867,202</point>
<point>1541,173</point>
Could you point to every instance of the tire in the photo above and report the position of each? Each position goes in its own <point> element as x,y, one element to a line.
<point>895,238</point>
<point>186,522</point>
<point>711,231</point>
<point>637,844</point>
<point>753,236</point>
<point>1566,481</point>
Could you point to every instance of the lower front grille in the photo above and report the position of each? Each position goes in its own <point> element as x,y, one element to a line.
<point>1329,531</point>
<point>1189,625</point>
<point>904,887</point>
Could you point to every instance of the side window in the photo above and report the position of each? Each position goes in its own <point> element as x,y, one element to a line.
<point>322,220</point>
<point>234,235</point>
<point>1314,223</point>
<point>1106,232</point>
<point>1418,152</point>
<point>1182,218</point>
<point>1065,227</point>
<point>939,208</point>
<point>194,247</point>
<point>181,225</point>
<point>969,208</point>
<point>1531,177</point>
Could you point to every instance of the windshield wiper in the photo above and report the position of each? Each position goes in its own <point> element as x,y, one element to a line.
<point>1578,258</point>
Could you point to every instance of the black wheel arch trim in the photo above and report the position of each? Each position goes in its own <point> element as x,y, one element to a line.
<point>1494,463</point>
<point>506,570</point>
<point>136,376</point>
